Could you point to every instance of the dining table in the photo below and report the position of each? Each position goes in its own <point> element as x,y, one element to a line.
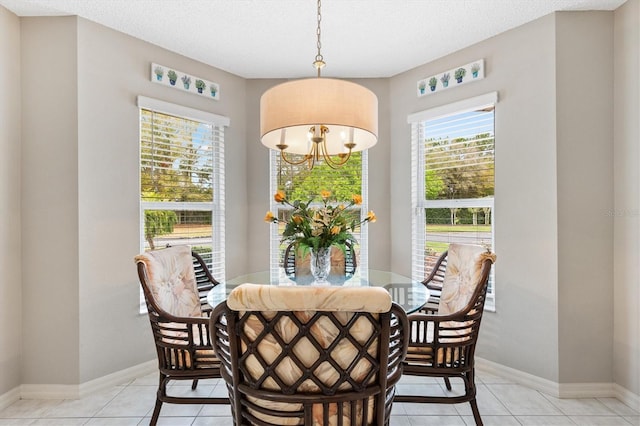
<point>410,294</point>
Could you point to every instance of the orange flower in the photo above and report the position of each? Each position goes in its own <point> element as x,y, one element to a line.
<point>280,196</point>
<point>323,225</point>
<point>371,216</point>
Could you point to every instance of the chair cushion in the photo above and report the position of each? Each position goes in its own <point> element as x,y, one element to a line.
<point>256,297</point>
<point>464,268</point>
<point>172,280</point>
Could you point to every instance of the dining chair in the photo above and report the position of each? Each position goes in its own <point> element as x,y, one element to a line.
<point>342,263</point>
<point>310,355</point>
<point>179,315</point>
<point>443,344</point>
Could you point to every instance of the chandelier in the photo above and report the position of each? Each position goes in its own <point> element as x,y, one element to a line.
<point>320,119</point>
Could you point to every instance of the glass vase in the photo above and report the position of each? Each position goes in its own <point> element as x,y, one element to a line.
<point>320,264</point>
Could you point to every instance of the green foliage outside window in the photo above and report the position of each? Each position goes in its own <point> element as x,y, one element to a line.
<point>158,222</point>
<point>176,166</point>
<point>174,171</point>
<point>300,183</point>
<point>460,172</point>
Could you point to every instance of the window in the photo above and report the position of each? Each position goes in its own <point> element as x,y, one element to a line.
<point>300,183</point>
<point>182,180</point>
<point>452,180</point>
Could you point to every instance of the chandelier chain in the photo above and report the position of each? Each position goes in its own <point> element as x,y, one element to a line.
<point>328,110</point>
<point>318,33</point>
<point>319,61</point>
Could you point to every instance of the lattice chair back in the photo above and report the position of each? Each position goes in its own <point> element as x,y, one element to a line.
<point>310,355</point>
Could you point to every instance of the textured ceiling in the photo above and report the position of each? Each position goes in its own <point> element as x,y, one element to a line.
<point>277,38</point>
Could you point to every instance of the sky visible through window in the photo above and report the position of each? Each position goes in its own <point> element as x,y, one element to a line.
<point>466,125</point>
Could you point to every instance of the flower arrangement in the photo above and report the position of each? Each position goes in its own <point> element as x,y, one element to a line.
<point>320,227</point>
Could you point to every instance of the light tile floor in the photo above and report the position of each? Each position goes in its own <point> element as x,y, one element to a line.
<point>500,401</point>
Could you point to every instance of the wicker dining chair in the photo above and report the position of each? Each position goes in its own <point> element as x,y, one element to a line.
<point>341,262</point>
<point>327,356</point>
<point>179,315</point>
<point>443,344</point>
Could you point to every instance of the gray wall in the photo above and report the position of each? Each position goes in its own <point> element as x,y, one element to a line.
<point>520,66</point>
<point>113,70</point>
<point>626,191</point>
<point>81,234</point>
<point>50,232</point>
<point>554,175</point>
<point>584,129</point>
<point>10,242</point>
<point>258,195</point>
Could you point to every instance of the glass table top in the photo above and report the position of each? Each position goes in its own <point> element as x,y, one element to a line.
<point>411,295</point>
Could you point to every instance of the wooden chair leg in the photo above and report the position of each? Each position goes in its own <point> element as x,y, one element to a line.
<point>194,385</point>
<point>162,391</point>
<point>476,413</point>
<point>447,383</point>
<point>156,412</point>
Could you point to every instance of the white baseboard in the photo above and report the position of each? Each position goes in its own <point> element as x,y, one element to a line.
<point>42,391</point>
<point>119,377</point>
<point>626,396</point>
<point>83,389</point>
<point>561,390</point>
<point>9,398</point>
<point>586,390</point>
<point>558,390</point>
<point>534,382</point>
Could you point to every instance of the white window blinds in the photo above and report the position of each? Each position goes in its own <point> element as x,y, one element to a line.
<point>452,180</point>
<point>182,180</point>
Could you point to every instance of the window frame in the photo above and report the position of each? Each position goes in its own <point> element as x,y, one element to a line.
<point>216,206</point>
<point>418,170</point>
<point>275,254</point>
